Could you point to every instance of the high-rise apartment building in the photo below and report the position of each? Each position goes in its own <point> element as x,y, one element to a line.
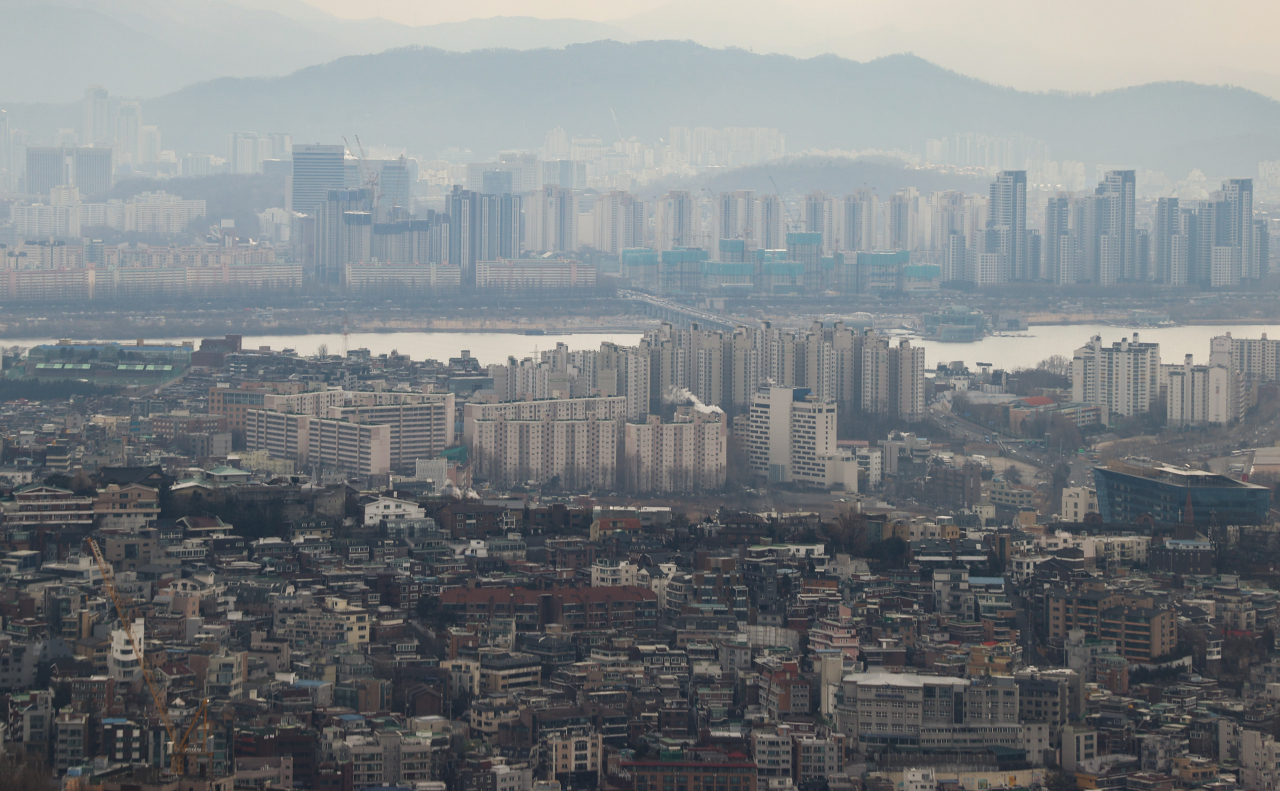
<point>790,435</point>
<point>1117,213</point>
<point>94,170</point>
<point>735,220</point>
<point>821,216</point>
<point>1169,244</point>
<point>861,221</point>
<point>805,249</point>
<point>551,221</point>
<point>344,233</point>
<point>87,168</point>
<point>1236,223</point>
<point>317,169</point>
<point>892,378</point>
<point>95,130</point>
<point>1123,378</point>
<point>1200,394</point>
<point>619,219</point>
<point>575,440</point>
<point>675,221</point>
<point>246,151</point>
<point>367,433</point>
<point>1007,225</point>
<point>48,167</point>
<point>1257,359</point>
<point>1055,243</point>
<point>686,455</point>
<point>128,140</point>
<point>902,220</point>
<point>770,223</point>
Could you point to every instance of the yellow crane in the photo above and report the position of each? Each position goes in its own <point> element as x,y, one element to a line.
<point>183,747</point>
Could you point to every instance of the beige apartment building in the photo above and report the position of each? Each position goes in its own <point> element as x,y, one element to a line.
<point>576,439</point>
<point>687,455</point>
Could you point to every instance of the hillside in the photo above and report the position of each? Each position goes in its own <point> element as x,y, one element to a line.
<point>151,47</point>
<point>429,99</point>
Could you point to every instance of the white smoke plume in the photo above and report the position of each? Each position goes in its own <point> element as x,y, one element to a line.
<point>681,395</point>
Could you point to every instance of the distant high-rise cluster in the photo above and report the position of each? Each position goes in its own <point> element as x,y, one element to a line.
<point>815,375</point>
<point>363,219</point>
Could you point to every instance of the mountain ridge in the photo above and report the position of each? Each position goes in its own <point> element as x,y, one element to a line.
<point>429,99</point>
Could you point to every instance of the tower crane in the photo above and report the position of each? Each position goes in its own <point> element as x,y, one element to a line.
<point>368,178</point>
<point>183,746</point>
<point>792,220</point>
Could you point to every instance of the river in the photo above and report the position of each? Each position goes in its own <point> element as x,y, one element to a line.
<point>487,347</point>
<point>1007,352</point>
<point>1039,342</point>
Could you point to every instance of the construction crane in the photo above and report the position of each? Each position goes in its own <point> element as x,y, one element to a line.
<point>368,177</point>
<point>793,222</point>
<point>183,747</point>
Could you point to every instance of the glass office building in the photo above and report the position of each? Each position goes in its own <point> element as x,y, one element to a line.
<point>1127,493</point>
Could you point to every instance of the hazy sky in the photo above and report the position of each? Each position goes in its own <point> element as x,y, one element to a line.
<point>1081,45</point>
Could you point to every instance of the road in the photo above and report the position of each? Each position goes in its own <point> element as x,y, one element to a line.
<point>1018,449</point>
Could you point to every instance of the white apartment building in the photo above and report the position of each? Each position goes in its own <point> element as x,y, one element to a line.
<point>574,439</point>
<point>952,596</point>
<point>65,215</point>
<point>1078,501</point>
<point>364,433</point>
<point>421,424</point>
<point>790,436</point>
<point>1078,745</point>
<point>687,455</point>
<point>932,712</point>
<point>817,757</point>
<point>537,274</point>
<point>1122,550</point>
<point>318,443</point>
<point>893,378</point>
<point>1254,358</point>
<point>123,663</point>
<point>391,508</point>
<point>573,750</point>
<point>1122,378</point>
<point>1200,394</point>
<point>771,750</point>
<point>606,573</point>
<point>599,408</point>
<point>870,464</point>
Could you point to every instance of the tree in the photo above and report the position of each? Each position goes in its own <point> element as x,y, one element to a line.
<point>848,534</point>
<point>889,553</point>
<point>1013,474</point>
<point>433,614</point>
<point>1056,364</point>
<point>24,773</point>
<point>1057,780</point>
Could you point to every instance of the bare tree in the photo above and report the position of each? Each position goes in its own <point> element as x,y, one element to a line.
<point>1055,364</point>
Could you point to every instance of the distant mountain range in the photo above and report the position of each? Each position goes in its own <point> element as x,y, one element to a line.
<point>52,48</point>
<point>489,100</point>
<point>427,99</point>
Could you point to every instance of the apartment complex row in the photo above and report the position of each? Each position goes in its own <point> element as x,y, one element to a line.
<point>588,443</point>
<point>363,433</point>
<point>855,367</point>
